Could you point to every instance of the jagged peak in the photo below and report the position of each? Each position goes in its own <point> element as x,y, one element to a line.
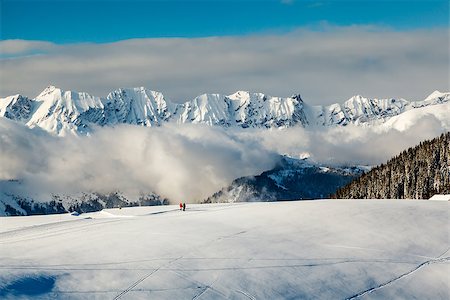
<point>357,98</point>
<point>135,90</point>
<point>206,96</point>
<point>52,93</point>
<point>51,87</point>
<point>436,94</point>
<point>248,95</point>
<point>239,95</point>
<point>360,99</point>
<point>139,89</point>
<point>297,97</point>
<point>49,90</point>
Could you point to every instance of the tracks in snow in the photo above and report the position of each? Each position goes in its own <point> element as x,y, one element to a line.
<point>246,295</point>
<point>50,230</point>
<point>373,289</point>
<point>134,284</point>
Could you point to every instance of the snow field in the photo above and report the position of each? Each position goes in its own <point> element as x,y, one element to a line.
<point>328,249</point>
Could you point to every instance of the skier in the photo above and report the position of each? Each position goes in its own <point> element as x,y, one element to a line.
<point>181,206</point>
<point>184,206</point>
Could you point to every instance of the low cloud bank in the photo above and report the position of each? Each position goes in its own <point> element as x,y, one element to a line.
<point>185,163</point>
<point>182,163</point>
<point>350,145</point>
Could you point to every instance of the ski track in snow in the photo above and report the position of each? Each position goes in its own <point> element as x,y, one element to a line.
<point>15,231</point>
<point>377,250</point>
<point>395,279</point>
<point>83,267</point>
<point>30,230</point>
<point>209,287</point>
<point>206,287</point>
<point>136,283</point>
<point>197,283</point>
<point>246,294</point>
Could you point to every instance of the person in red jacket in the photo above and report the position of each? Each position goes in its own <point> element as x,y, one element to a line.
<point>181,206</point>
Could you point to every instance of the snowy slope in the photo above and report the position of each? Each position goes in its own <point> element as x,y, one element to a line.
<point>242,109</point>
<point>137,106</point>
<point>331,249</point>
<point>364,111</point>
<point>409,118</point>
<point>60,111</point>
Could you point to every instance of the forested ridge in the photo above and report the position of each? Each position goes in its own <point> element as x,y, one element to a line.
<point>416,173</point>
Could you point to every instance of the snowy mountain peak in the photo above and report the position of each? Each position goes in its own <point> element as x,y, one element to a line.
<point>437,94</point>
<point>48,90</point>
<point>139,96</point>
<point>138,106</point>
<point>72,101</point>
<point>240,95</point>
<point>135,93</point>
<point>357,98</point>
<point>297,97</point>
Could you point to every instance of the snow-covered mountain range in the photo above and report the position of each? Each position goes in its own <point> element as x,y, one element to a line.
<point>60,112</point>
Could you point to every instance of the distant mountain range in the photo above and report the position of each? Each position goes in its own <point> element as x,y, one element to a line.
<point>18,205</point>
<point>61,112</point>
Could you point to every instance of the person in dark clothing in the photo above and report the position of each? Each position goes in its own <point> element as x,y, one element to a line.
<point>184,206</point>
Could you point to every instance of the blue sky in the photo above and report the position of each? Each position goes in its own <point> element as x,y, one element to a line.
<point>325,50</point>
<point>107,21</point>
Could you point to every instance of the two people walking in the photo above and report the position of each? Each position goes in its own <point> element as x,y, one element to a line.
<point>182,206</point>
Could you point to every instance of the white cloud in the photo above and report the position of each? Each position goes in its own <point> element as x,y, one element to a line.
<point>349,145</point>
<point>186,163</point>
<point>183,163</point>
<point>325,65</point>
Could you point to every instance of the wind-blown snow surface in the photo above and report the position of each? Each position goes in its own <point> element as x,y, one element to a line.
<point>330,249</point>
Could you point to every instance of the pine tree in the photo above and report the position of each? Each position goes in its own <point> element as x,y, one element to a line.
<point>416,173</point>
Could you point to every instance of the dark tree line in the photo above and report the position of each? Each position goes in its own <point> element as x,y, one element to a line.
<point>416,173</point>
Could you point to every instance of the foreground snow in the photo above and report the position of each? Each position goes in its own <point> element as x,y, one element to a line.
<point>330,249</point>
